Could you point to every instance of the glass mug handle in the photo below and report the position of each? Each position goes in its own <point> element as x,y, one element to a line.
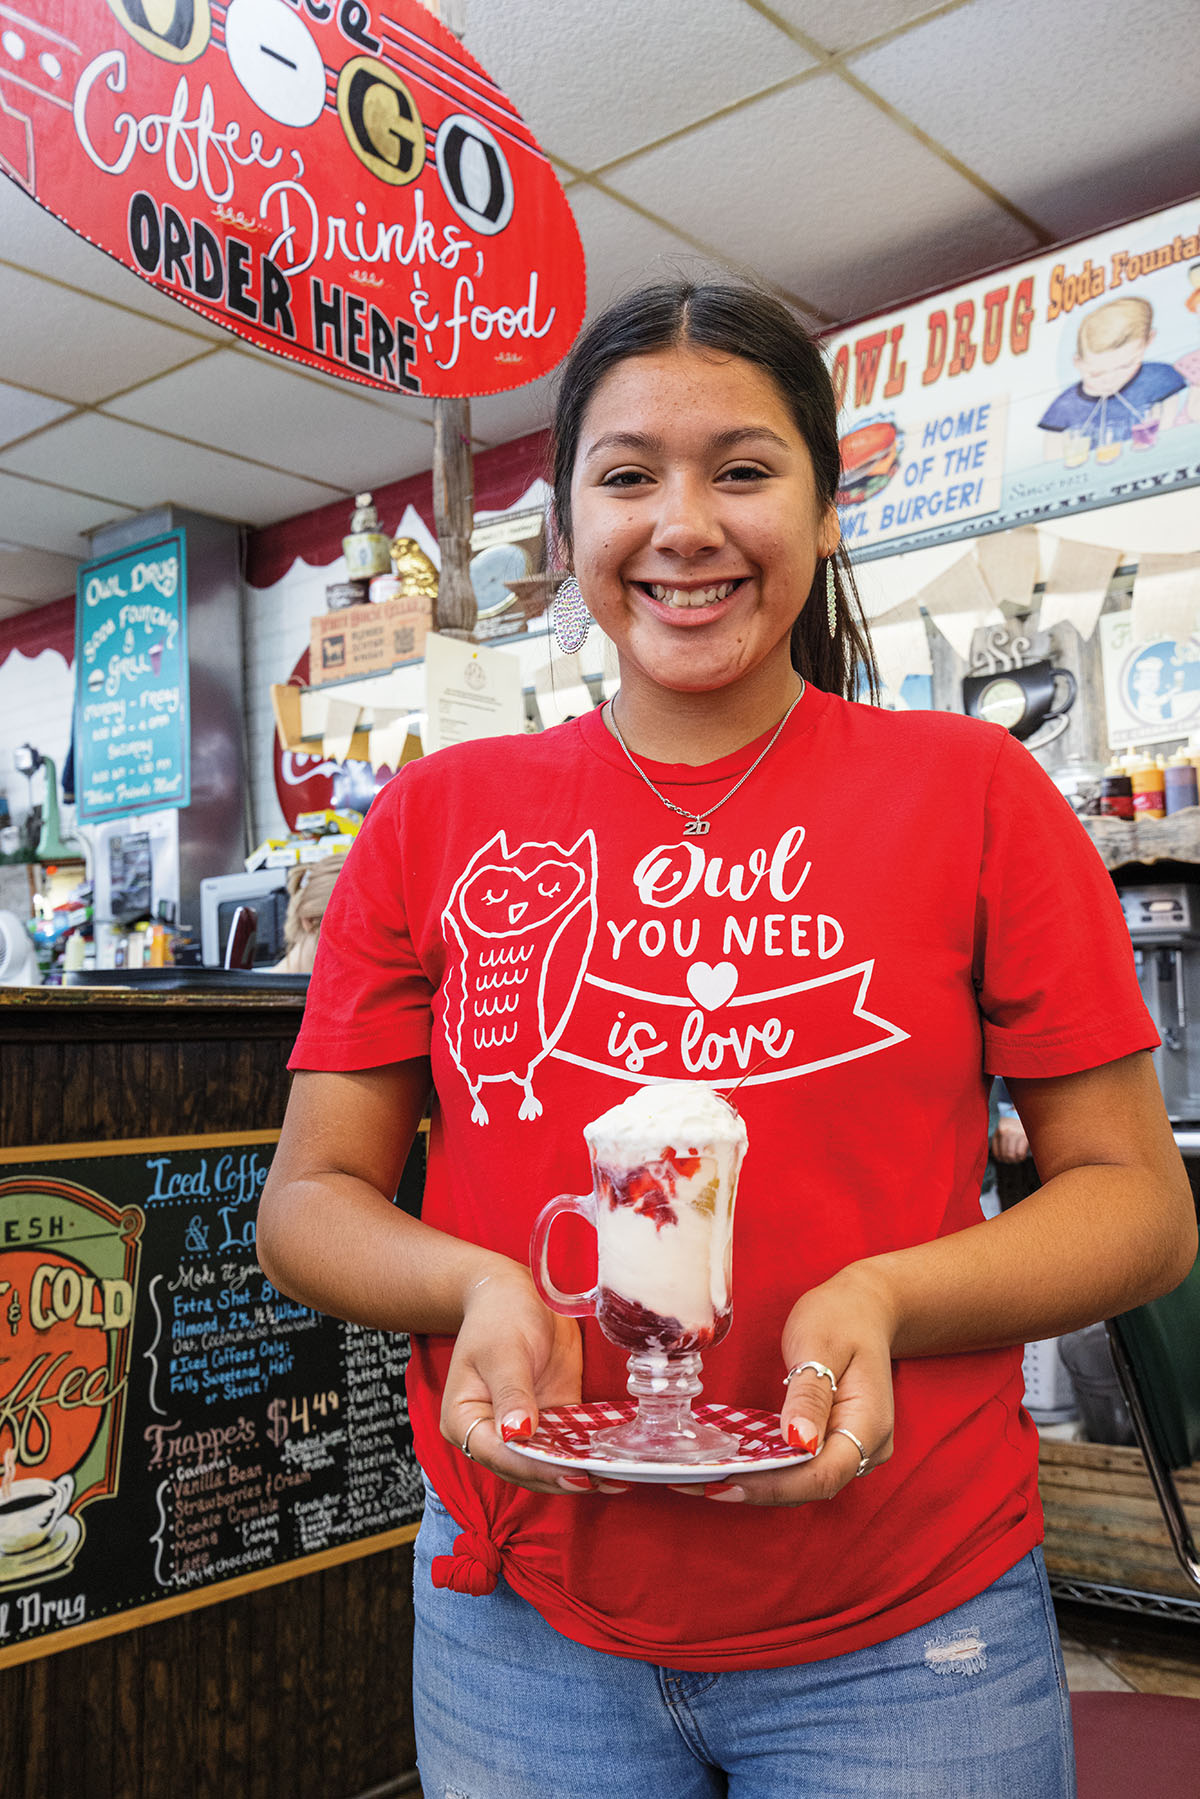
<point>571,1305</point>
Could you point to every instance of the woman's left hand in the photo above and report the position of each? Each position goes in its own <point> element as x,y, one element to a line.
<point>844,1325</point>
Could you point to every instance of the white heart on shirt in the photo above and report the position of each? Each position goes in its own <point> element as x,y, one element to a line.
<point>711,986</point>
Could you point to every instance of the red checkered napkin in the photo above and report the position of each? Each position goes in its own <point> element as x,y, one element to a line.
<point>565,1432</point>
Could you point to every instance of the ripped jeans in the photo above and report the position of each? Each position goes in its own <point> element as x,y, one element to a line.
<point>972,1706</point>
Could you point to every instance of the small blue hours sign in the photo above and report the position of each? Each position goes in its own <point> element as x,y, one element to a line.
<point>131,681</point>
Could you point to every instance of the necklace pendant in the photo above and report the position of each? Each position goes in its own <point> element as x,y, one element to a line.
<point>696,827</point>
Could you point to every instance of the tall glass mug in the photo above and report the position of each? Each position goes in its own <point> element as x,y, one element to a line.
<point>665,1167</point>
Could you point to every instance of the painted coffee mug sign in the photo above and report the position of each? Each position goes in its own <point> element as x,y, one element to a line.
<point>70,1272</point>
<point>337,181</point>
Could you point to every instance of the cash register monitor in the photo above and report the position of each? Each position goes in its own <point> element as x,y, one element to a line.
<point>265,892</point>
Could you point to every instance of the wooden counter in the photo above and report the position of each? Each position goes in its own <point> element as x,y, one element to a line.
<point>300,1688</point>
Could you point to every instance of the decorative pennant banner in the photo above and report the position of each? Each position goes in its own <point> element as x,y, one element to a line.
<point>1077,585</point>
<point>1166,598</point>
<point>337,181</point>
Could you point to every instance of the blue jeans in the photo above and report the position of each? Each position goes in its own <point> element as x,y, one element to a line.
<point>972,1706</point>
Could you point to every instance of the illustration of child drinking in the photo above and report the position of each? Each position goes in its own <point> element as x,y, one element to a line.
<point>1120,398</point>
<point>1189,365</point>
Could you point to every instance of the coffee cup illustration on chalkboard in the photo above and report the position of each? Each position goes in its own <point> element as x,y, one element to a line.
<point>1022,699</point>
<point>37,1533</point>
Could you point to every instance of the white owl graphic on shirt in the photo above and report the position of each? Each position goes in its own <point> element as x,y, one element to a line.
<point>524,921</point>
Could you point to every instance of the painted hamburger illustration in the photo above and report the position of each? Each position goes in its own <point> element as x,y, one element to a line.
<point>870,457</point>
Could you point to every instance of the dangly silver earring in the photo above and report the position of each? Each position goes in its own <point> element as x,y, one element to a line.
<point>572,620</point>
<point>830,596</point>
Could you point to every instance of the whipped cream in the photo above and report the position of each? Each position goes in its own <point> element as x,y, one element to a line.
<point>685,1116</point>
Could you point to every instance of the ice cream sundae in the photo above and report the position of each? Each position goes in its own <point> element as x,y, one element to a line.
<point>665,1166</point>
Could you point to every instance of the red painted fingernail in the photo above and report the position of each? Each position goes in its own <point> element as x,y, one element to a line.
<point>578,1481</point>
<point>803,1435</point>
<point>517,1424</point>
<point>724,1492</point>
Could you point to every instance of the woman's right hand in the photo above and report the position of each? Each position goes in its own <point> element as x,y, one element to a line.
<point>513,1355</point>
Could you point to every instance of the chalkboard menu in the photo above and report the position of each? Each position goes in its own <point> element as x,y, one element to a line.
<point>172,1428</point>
<point>131,681</point>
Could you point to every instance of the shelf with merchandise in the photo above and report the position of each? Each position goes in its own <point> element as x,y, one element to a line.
<point>1105,1539</point>
<point>1173,839</point>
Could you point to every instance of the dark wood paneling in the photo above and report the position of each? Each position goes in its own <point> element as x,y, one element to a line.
<point>300,1689</point>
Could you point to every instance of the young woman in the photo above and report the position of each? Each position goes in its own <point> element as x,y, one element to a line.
<point>731,873</point>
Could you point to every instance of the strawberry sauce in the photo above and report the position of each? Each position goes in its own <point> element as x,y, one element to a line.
<point>649,1188</point>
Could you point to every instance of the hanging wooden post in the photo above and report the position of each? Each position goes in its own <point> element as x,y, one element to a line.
<point>453,474</point>
<point>454,515</point>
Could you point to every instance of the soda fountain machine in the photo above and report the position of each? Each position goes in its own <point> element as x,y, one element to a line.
<point>1164,923</point>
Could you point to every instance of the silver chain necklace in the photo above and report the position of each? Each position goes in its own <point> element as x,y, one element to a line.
<point>697,822</point>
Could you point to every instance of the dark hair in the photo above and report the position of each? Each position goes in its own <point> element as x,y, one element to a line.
<point>738,320</point>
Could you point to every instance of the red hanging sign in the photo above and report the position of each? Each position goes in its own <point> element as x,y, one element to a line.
<point>337,181</point>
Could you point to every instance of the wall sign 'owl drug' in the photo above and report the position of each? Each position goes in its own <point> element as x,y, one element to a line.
<point>338,182</point>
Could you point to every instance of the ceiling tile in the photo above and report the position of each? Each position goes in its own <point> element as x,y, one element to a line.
<point>34,239</point>
<point>911,221</point>
<point>139,468</point>
<point>623,248</point>
<point>849,22</point>
<point>499,418</point>
<point>62,343</point>
<point>1092,120</point>
<point>256,406</point>
<point>35,575</point>
<point>596,82</point>
<point>411,404</point>
<point>22,412</point>
<point>45,518</point>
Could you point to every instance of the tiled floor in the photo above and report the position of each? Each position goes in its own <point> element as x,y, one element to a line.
<point>1122,1653</point>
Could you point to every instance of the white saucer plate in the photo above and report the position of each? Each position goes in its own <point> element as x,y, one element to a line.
<point>55,1549</point>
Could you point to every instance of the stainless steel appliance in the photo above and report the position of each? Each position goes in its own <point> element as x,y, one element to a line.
<point>1164,923</point>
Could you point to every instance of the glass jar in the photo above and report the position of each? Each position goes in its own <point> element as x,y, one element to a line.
<point>1078,780</point>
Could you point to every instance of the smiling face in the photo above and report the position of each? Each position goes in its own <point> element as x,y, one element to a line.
<point>696,524</point>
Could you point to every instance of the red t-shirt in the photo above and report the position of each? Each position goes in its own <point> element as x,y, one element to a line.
<point>893,904</point>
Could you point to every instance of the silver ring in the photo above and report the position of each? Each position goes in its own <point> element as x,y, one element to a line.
<point>466,1440</point>
<point>817,1368</point>
<point>840,1430</point>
